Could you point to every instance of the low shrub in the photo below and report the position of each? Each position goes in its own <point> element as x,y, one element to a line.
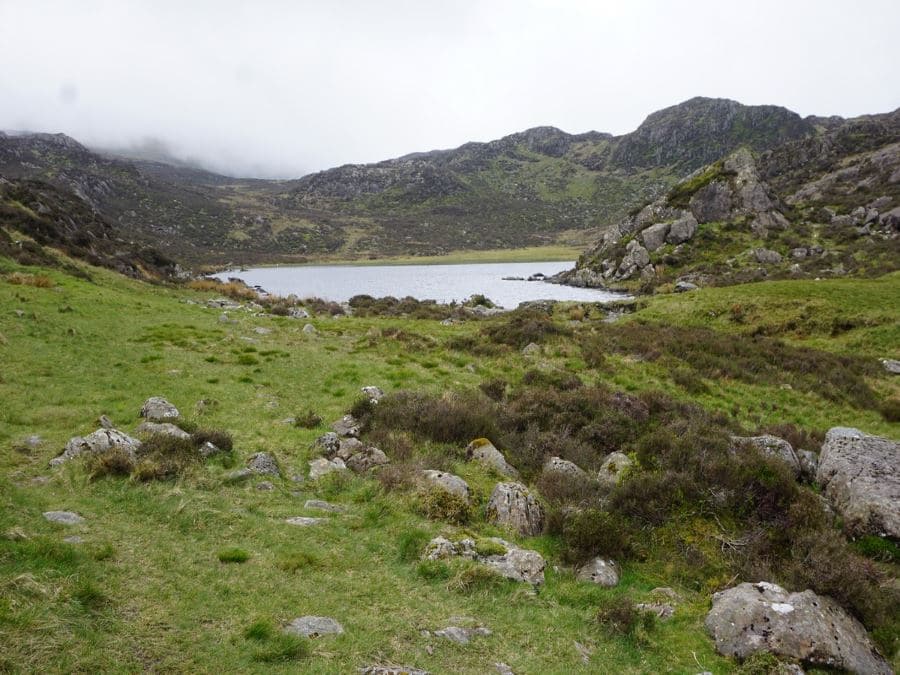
<point>471,577</point>
<point>522,327</point>
<point>116,462</point>
<point>494,389</point>
<point>308,420</point>
<point>89,595</point>
<point>619,615</point>
<point>562,489</point>
<point>220,439</point>
<point>411,544</point>
<point>296,560</point>
<point>36,280</point>
<point>281,647</point>
<point>450,418</point>
<point>433,570</point>
<point>233,555</point>
<point>439,504</point>
<point>591,532</point>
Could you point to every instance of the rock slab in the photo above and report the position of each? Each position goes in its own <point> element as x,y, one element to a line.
<point>314,626</point>
<point>513,506</point>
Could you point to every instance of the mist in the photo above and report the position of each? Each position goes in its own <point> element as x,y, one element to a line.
<point>280,89</point>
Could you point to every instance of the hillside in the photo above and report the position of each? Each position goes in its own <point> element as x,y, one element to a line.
<point>538,187</point>
<point>823,206</point>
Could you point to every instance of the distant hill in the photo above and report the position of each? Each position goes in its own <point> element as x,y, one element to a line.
<point>535,187</point>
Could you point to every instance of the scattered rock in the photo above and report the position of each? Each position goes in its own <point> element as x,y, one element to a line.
<point>447,481</point>
<point>162,428</point>
<point>661,610</point>
<point>346,426</point>
<point>264,464</point>
<point>208,449</point>
<point>531,349</point>
<point>238,476</point>
<point>100,442</point>
<point>265,486</point>
<point>321,466</point>
<point>392,670</point>
<point>348,447</point>
<point>892,366</point>
<point>314,626</point>
<point>158,409</point>
<point>105,422</point>
<point>320,505</point>
<point>860,476</point>
<point>613,468</point>
<point>516,563</point>
<point>461,636</point>
<point>367,459</point>
<point>752,618</point>
<point>309,329</point>
<point>483,451</point>
<point>305,521</point>
<point>328,444</point>
<point>63,517</point>
<point>565,468</point>
<point>765,256</point>
<point>298,313</point>
<point>655,236</point>
<point>809,464</point>
<point>601,572</point>
<point>373,393</point>
<point>503,669</point>
<point>684,287</point>
<point>260,330</point>
<point>513,506</point>
<point>682,230</point>
<point>771,446</point>
<point>73,539</point>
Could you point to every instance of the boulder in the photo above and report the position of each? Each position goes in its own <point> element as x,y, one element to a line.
<point>373,393</point>
<point>892,366</point>
<point>298,313</point>
<point>613,468</point>
<point>712,202</point>
<point>347,426</point>
<point>347,447</point>
<point>513,506</point>
<point>367,458</point>
<point>814,629</point>
<point>684,287</point>
<point>158,409</point>
<point>163,429</point>
<point>328,444</point>
<point>860,475</point>
<point>481,450</point>
<point>531,349</point>
<point>321,466</point>
<point>105,422</point>
<point>100,442</point>
<point>563,467</point>
<point>890,218</point>
<point>319,505</point>
<point>518,564</point>
<point>309,329</point>
<point>447,481</point>
<point>264,464</point>
<point>63,517</point>
<point>809,464</point>
<point>461,636</point>
<point>771,446</point>
<point>599,571</point>
<point>682,230</point>
<point>765,256</point>
<point>305,521</point>
<point>655,236</point>
<point>314,626</point>
<point>208,449</point>
<point>660,610</point>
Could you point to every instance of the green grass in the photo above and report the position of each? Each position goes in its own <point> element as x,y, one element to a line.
<point>147,591</point>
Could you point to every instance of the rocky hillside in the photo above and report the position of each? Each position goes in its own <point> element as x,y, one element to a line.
<point>530,188</point>
<point>825,205</point>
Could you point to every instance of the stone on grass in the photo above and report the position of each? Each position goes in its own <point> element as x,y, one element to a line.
<point>346,426</point>
<point>321,466</point>
<point>264,464</point>
<point>599,571</point>
<point>392,670</point>
<point>305,521</point>
<point>321,505</point>
<point>328,444</point>
<point>158,409</point>
<point>73,539</point>
<point>309,329</point>
<point>447,481</point>
<point>513,506</point>
<point>860,476</point>
<point>565,468</point>
<point>891,365</point>
<point>766,256</point>
<point>239,476</point>
<point>163,429</point>
<point>518,564</point>
<point>100,442</point>
<point>265,485</point>
<point>373,393</point>
<point>313,626</point>
<point>481,450</point>
<point>105,422</point>
<point>660,610</point>
<point>366,459</point>
<point>772,446</point>
<point>811,628</point>
<point>208,449</point>
<point>613,468</point>
<point>461,636</point>
<point>63,517</point>
<point>531,349</point>
<point>503,669</point>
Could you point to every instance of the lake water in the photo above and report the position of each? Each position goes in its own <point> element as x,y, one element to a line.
<point>443,283</point>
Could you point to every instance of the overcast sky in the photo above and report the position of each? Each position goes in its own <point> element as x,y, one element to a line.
<point>278,89</point>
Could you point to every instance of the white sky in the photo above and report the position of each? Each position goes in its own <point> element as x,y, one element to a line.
<point>275,88</point>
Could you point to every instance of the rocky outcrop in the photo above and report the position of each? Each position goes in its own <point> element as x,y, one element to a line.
<point>514,563</point>
<point>366,459</point>
<point>814,629</point>
<point>860,475</point>
<point>448,482</point>
<point>614,467</point>
<point>314,626</point>
<point>162,428</point>
<point>347,426</point>
<point>599,571</point>
<point>513,506</point>
<point>321,466</point>
<point>158,409</point>
<point>100,442</point>
<point>771,446</point>
<point>481,450</point>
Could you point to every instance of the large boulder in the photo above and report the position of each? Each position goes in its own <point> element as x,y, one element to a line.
<point>514,563</point>
<point>712,202</point>
<point>321,466</point>
<point>765,256</point>
<point>100,442</point>
<point>599,571</point>
<point>655,236</point>
<point>447,481</point>
<point>771,446</point>
<point>365,459</point>
<point>513,506</point>
<point>860,475</point>
<point>682,230</point>
<point>614,467</point>
<point>481,450</point>
<point>565,468</point>
<point>264,464</point>
<point>814,629</point>
<point>347,426</point>
<point>158,409</point>
<point>314,626</point>
<point>162,429</point>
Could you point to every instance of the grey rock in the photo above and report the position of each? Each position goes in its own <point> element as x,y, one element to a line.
<point>461,636</point>
<point>799,253</point>
<point>563,467</point>
<point>105,422</point>
<point>440,548</point>
<point>239,476</point>
<point>33,442</point>
<point>814,629</point>
<point>601,572</point>
<point>765,256</point>
<point>73,539</point>
<point>483,451</point>
<point>682,230</point>
<point>392,670</point>
<point>63,517</point>
<point>309,329</point>
<point>771,446</point>
<point>447,481</point>
<point>319,505</point>
<point>346,426</point>
<point>661,610</point>
<point>531,349</point>
<point>260,330</point>
<point>163,429</point>
<point>518,564</point>
<point>298,313</point>
<point>809,464</point>
<point>264,464</point>
<point>712,202</point>
<point>328,444</point>
<point>890,218</point>
<point>314,626</point>
<point>892,366</point>
<point>100,442</point>
<point>613,468</point>
<point>349,447</point>
<point>860,476</point>
<point>367,459</point>
<point>321,466</point>
<point>208,449</point>
<point>265,486</point>
<point>373,393</point>
<point>684,287</point>
<point>512,505</point>
<point>842,221</point>
<point>305,521</point>
<point>655,236</point>
<point>636,255</point>
<point>503,669</point>
<point>158,409</point>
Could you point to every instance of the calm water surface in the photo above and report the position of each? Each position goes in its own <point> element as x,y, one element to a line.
<point>443,283</point>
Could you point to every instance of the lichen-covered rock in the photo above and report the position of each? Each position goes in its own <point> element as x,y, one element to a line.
<point>814,629</point>
<point>892,366</point>
<point>440,548</point>
<point>514,563</point>
<point>655,236</point>
<point>319,505</point>
<point>614,467</point>
<point>563,467</point>
<point>163,429</point>
<point>366,459</point>
<point>305,521</point>
<point>481,450</point>
<point>373,393</point>
<point>158,409</point>
<point>328,444</point>
<point>321,466</point>
<point>682,230</point>
<point>63,517</point>
<point>264,464</point>
<point>447,481</point>
<point>771,446</point>
<point>513,506</point>
<point>599,571</point>
<point>99,442</point>
<point>860,476</point>
<point>314,626</point>
<point>346,426</point>
<point>712,202</point>
<point>461,636</point>
<point>809,464</point>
